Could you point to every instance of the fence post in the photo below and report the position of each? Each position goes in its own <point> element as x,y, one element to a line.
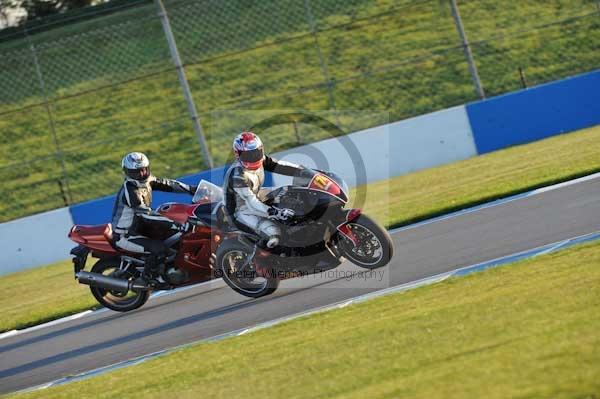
<point>467,49</point>
<point>313,28</point>
<point>522,77</point>
<point>164,19</point>
<point>38,70</point>
<point>297,132</point>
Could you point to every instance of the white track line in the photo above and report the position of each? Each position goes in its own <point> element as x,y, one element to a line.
<point>9,334</point>
<point>48,324</point>
<point>392,231</point>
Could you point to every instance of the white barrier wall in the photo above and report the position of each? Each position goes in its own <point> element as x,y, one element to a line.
<point>362,157</point>
<point>389,150</point>
<point>35,240</point>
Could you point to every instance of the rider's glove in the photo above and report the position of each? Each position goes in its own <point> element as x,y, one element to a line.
<point>280,213</point>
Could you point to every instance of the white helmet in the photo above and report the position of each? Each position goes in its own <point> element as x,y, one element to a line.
<point>136,166</point>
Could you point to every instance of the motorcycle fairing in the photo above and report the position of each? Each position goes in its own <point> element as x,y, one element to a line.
<point>177,212</point>
<point>204,212</point>
<point>324,183</point>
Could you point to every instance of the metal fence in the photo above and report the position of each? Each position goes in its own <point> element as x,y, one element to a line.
<point>75,98</point>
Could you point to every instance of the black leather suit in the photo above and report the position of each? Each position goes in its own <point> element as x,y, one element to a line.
<point>133,215</point>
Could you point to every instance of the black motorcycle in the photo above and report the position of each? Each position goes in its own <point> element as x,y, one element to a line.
<point>320,235</point>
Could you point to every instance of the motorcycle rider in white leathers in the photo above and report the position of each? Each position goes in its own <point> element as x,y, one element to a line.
<point>242,183</point>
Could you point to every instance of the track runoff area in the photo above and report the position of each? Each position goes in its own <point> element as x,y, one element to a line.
<point>500,232</point>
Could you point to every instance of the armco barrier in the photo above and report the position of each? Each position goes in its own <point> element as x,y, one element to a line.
<point>533,114</point>
<point>365,156</point>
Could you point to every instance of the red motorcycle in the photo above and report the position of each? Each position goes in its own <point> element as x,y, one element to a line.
<point>320,235</point>
<point>115,278</point>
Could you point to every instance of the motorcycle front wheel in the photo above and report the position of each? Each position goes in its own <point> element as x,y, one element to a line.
<point>238,272</point>
<point>374,248</point>
<point>116,300</point>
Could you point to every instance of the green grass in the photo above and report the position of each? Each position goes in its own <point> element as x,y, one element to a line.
<point>392,202</point>
<point>431,192</point>
<point>401,58</point>
<point>528,330</point>
<point>46,293</point>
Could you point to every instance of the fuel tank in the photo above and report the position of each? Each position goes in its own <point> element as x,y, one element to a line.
<point>178,212</point>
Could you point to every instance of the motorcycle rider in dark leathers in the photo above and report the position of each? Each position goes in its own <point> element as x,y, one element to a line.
<point>242,184</point>
<point>132,214</point>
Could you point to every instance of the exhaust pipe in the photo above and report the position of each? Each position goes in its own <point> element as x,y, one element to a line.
<point>108,283</point>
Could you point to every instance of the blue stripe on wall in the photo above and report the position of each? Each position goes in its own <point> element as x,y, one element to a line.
<point>536,113</point>
<point>99,211</point>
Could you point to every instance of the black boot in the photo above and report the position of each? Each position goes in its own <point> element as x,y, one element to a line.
<point>150,267</point>
<point>154,272</point>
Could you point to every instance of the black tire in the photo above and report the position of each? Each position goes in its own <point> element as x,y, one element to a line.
<point>381,244</point>
<point>114,300</point>
<point>233,250</point>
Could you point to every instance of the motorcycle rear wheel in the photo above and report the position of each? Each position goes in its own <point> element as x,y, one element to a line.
<point>118,301</point>
<point>375,247</point>
<point>231,256</point>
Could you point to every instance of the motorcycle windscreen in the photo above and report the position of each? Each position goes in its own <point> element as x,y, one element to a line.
<point>207,192</point>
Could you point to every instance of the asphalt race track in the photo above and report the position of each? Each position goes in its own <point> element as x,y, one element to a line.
<point>105,338</point>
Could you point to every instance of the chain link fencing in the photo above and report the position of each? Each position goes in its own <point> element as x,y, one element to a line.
<point>76,97</point>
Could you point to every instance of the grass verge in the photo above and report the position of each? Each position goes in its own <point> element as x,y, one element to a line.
<point>42,294</point>
<point>527,330</point>
<point>432,192</point>
<point>393,202</point>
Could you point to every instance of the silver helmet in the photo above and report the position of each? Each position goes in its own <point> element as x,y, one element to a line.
<point>136,166</point>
